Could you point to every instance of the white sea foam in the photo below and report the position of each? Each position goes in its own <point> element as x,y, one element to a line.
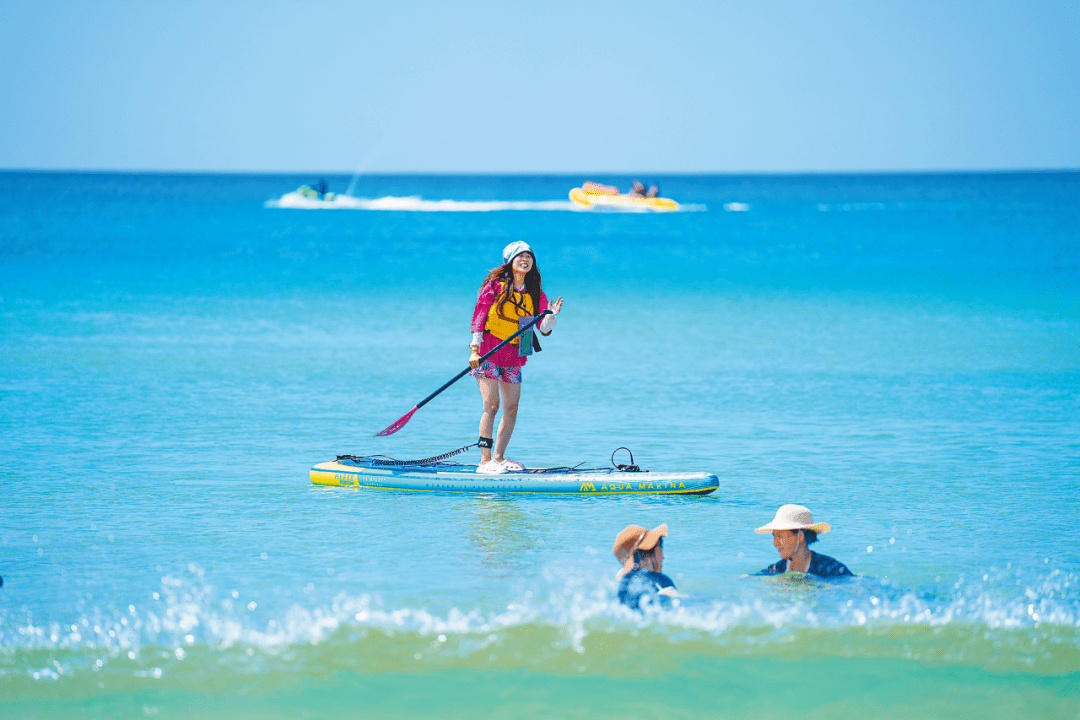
<point>188,616</point>
<point>415,204</point>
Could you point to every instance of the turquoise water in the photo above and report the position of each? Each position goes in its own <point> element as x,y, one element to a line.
<point>899,352</point>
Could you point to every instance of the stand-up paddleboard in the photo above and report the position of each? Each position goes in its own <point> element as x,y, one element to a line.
<point>586,198</point>
<point>380,473</point>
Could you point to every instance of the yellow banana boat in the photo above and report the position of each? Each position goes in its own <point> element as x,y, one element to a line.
<point>594,199</point>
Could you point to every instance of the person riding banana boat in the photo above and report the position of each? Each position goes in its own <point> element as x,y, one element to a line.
<point>636,190</point>
<point>594,194</point>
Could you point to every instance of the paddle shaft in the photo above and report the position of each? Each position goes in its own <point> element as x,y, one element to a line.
<point>484,357</point>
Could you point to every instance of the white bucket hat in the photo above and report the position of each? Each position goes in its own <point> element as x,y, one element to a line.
<point>514,249</point>
<point>794,517</point>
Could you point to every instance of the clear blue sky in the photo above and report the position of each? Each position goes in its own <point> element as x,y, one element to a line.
<point>540,87</point>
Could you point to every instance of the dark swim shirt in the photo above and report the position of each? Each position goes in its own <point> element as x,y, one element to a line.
<point>640,583</point>
<point>820,565</point>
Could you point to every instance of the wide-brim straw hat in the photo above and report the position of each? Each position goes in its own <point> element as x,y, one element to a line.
<point>794,517</point>
<point>635,538</point>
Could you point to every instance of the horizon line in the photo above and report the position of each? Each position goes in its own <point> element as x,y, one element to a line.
<point>533,173</point>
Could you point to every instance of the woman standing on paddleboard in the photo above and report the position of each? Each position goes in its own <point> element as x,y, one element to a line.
<point>509,293</point>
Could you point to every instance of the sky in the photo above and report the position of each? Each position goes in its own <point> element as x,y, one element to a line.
<point>540,87</point>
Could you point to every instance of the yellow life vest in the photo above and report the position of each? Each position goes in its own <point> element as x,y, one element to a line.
<point>505,323</point>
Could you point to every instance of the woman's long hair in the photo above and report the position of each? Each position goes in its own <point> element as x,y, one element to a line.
<point>505,274</point>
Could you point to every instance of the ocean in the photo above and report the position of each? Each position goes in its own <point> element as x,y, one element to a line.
<point>898,352</point>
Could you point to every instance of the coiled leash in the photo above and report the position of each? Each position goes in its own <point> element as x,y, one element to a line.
<point>385,460</point>
<point>631,467</point>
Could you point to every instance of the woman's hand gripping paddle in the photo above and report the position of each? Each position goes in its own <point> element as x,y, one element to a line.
<point>404,419</point>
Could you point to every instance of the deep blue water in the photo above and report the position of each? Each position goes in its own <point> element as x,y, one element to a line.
<point>901,353</point>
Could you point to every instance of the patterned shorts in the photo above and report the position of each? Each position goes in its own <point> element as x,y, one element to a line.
<point>490,371</point>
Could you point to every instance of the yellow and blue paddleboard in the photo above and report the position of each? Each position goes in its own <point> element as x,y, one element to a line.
<point>375,474</point>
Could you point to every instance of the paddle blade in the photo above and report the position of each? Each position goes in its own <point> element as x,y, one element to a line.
<point>402,421</point>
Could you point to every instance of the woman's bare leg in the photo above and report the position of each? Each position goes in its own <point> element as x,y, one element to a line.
<point>489,393</point>
<point>511,393</point>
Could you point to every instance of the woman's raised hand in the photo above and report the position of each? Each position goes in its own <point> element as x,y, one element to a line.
<point>557,306</point>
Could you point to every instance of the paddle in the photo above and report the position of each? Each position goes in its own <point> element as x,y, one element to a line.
<point>408,416</point>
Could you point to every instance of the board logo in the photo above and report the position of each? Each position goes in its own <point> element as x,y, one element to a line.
<point>587,487</point>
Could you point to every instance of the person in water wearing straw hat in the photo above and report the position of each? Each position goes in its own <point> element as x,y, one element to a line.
<point>794,531</point>
<point>510,294</point>
<point>641,553</point>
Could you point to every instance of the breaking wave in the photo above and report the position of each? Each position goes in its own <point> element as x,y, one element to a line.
<point>190,627</point>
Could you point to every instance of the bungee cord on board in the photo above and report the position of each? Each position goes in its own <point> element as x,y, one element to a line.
<point>441,461</point>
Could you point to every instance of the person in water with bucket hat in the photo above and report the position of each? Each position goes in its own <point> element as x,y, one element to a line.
<point>641,553</point>
<point>794,531</point>
<point>510,295</point>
